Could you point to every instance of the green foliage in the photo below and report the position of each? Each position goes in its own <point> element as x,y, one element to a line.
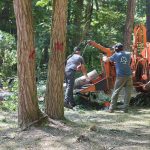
<point>141,8</point>
<point>139,20</point>
<point>140,16</point>
<point>7,18</point>
<point>108,26</point>
<point>92,59</point>
<point>42,3</point>
<point>41,88</point>
<point>42,45</point>
<point>10,102</point>
<point>42,11</point>
<point>7,54</point>
<point>13,87</point>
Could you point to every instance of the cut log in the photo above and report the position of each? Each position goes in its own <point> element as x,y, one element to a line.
<point>82,80</point>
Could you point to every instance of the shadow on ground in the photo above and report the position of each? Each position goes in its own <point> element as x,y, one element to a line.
<point>82,130</point>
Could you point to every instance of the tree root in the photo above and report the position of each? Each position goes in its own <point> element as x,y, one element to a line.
<point>44,117</point>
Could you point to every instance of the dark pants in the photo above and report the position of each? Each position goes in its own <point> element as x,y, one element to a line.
<point>70,78</point>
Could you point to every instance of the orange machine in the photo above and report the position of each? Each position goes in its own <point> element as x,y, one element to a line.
<point>106,79</point>
<point>140,64</point>
<point>141,58</point>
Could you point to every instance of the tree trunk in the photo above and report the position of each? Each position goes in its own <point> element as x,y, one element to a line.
<point>129,24</point>
<point>88,18</point>
<point>148,19</point>
<point>77,21</point>
<point>28,111</point>
<point>54,99</point>
<point>97,6</point>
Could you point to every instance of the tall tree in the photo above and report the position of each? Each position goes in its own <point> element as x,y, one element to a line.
<point>54,98</point>
<point>129,23</point>
<point>88,17</point>
<point>78,16</point>
<point>97,5</point>
<point>28,111</point>
<point>148,19</point>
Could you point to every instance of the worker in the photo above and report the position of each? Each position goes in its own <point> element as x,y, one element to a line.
<point>122,61</point>
<point>73,64</point>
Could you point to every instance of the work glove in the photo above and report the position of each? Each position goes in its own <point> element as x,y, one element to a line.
<point>105,58</point>
<point>88,42</point>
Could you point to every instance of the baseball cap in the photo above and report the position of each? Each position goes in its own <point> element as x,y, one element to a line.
<point>118,46</point>
<point>77,49</point>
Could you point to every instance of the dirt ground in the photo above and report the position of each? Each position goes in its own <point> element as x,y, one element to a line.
<point>82,130</point>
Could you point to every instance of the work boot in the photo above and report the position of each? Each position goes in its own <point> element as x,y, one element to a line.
<point>125,110</point>
<point>67,105</point>
<point>110,110</point>
<point>72,104</point>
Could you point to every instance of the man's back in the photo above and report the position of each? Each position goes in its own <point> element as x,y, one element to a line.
<point>73,62</point>
<point>122,61</point>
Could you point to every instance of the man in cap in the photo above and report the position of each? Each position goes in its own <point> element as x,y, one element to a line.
<point>73,64</point>
<point>122,61</point>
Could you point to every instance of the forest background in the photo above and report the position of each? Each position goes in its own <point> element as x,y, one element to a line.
<point>38,27</point>
<point>101,21</point>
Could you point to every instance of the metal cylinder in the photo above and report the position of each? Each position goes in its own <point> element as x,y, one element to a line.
<point>82,80</point>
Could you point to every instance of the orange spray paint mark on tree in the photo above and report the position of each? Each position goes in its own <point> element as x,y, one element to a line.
<point>58,46</point>
<point>32,54</point>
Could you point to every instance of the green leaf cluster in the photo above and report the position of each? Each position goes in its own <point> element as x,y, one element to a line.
<point>8,56</point>
<point>106,26</point>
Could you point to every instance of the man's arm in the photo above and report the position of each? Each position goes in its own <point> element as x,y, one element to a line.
<point>106,59</point>
<point>82,68</point>
<point>84,71</point>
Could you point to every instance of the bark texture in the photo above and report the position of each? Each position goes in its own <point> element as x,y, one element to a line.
<point>28,111</point>
<point>129,24</point>
<point>148,19</point>
<point>54,98</point>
